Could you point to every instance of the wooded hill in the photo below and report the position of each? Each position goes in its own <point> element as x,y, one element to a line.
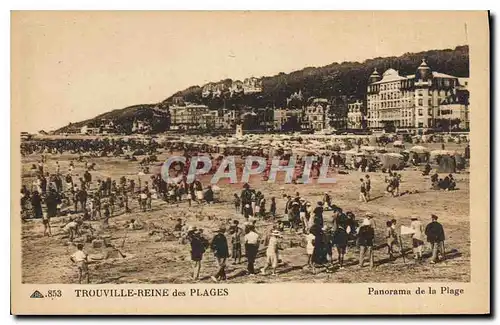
<point>336,79</point>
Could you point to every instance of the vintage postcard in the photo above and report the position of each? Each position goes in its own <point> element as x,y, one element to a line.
<point>228,163</point>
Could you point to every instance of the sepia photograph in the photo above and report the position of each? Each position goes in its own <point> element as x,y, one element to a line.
<point>245,148</point>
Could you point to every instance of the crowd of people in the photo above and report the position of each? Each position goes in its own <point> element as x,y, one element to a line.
<point>321,235</point>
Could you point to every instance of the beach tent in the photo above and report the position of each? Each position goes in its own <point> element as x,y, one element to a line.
<point>447,164</point>
<point>392,160</point>
<point>435,155</point>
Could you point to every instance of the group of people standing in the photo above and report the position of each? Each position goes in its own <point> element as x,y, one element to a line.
<point>219,245</point>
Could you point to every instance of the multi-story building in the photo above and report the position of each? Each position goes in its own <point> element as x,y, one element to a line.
<point>209,120</point>
<point>316,115</point>
<point>226,119</point>
<point>252,85</point>
<point>218,119</point>
<point>355,114</point>
<point>188,117</point>
<point>454,111</point>
<point>411,101</point>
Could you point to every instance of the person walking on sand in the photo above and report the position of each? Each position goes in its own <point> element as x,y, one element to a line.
<point>272,252</point>
<point>198,246</point>
<point>236,232</point>
<point>435,236</point>
<point>362,191</point>
<point>366,236</point>
<point>272,208</point>
<point>221,253</point>
<point>368,187</point>
<point>80,258</point>
<point>252,240</point>
<point>417,237</point>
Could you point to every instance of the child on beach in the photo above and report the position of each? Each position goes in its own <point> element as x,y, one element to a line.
<point>237,202</point>
<point>310,249</point>
<point>80,258</point>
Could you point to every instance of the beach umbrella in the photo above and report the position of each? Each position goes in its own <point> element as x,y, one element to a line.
<point>419,149</point>
<point>443,153</point>
<point>368,148</point>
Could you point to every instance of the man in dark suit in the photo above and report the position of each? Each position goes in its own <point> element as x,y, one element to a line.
<point>435,236</point>
<point>221,251</point>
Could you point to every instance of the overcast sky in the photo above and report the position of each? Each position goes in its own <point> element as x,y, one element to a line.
<point>69,66</point>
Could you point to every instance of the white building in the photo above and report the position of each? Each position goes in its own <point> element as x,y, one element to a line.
<point>410,101</point>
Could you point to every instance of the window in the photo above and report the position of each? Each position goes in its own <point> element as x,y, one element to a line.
<point>420,112</point>
<point>420,102</point>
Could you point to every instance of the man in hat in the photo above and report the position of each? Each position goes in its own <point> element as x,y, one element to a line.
<point>366,236</point>
<point>272,252</point>
<point>198,246</point>
<point>435,236</point>
<point>221,253</point>
<point>417,237</point>
<point>252,240</point>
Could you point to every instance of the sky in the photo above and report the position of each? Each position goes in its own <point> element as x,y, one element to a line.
<point>70,66</point>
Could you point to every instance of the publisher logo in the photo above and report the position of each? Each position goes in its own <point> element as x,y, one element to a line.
<point>36,294</point>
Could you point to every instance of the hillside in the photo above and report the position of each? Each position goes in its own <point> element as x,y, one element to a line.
<point>123,118</point>
<point>346,78</point>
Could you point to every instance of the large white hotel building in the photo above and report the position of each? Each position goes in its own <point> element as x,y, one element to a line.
<point>415,101</point>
